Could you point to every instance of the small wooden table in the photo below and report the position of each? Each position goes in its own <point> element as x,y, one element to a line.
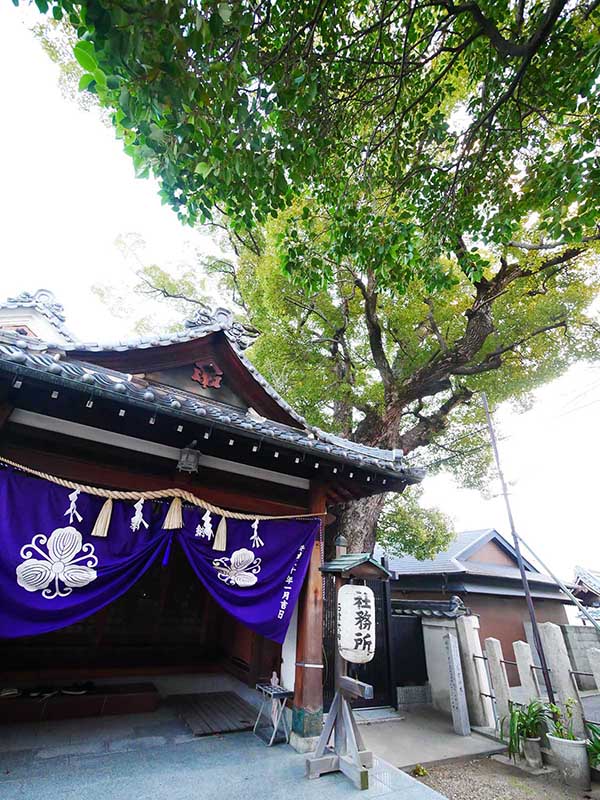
<point>277,695</point>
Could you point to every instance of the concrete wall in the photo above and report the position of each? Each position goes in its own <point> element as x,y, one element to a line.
<point>579,640</point>
<point>500,617</point>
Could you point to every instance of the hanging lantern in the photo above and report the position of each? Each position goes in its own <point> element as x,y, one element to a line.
<point>189,458</point>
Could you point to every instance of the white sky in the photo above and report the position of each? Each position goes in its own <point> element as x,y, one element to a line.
<point>68,190</point>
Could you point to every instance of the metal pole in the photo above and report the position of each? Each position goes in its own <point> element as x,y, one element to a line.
<point>565,589</point>
<point>534,625</point>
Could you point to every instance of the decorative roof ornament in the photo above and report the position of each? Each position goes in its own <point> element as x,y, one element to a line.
<point>206,320</point>
<point>46,304</point>
<point>42,299</point>
<point>588,579</point>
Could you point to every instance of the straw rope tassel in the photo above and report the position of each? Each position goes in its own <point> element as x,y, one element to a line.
<point>220,542</point>
<point>174,519</point>
<point>103,521</point>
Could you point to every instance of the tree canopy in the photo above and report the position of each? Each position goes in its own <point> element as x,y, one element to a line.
<point>404,372</point>
<point>411,188</point>
<point>403,133</point>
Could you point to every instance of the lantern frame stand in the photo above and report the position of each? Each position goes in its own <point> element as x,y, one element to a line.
<point>348,753</point>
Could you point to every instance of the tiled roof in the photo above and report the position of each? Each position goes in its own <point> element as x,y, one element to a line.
<point>44,302</point>
<point>453,561</point>
<point>588,579</point>
<point>351,560</point>
<point>203,322</point>
<point>450,609</point>
<point>18,353</point>
<point>499,571</point>
<point>446,561</point>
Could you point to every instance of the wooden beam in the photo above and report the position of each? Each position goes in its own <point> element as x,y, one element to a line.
<point>308,690</point>
<point>355,688</point>
<point>120,476</point>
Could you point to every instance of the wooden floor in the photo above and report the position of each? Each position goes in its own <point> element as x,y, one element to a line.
<point>214,712</point>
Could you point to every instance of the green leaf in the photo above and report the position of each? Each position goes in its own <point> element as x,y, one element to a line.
<point>85,81</point>
<point>225,12</point>
<point>86,56</point>
<point>203,168</point>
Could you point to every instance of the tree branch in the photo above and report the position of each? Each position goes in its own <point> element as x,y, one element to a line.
<point>426,428</point>
<point>376,336</point>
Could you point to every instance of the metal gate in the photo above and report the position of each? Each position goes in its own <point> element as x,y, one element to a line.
<point>379,671</point>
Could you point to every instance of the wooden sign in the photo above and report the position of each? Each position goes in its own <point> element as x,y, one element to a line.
<point>356,623</point>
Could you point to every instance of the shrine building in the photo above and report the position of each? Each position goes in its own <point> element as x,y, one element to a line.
<point>163,509</point>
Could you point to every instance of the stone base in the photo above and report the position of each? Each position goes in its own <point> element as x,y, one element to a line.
<point>303,744</point>
<point>522,765</point>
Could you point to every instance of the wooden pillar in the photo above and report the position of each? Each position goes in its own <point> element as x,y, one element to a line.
<point>307,720</point>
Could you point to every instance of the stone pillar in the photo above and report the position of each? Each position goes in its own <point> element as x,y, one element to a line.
<point>501,689</point>
<point>524,660</point>
<point>307,714</point>
<point>557,657</point>
<point>475,674</point>
<point>594,659</point>
<point>458,700</point>
<point>434,631</point>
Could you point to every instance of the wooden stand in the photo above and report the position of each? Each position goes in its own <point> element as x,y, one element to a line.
<point>348,755</point>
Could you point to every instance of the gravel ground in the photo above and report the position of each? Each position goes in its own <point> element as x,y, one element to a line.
<point>486,779</point>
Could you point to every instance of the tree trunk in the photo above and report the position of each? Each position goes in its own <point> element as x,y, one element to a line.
<point>357,521</point>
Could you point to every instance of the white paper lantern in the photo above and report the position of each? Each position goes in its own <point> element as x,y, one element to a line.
<point>356,623</point>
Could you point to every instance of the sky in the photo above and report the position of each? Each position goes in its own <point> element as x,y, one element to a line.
<point>67,192</point>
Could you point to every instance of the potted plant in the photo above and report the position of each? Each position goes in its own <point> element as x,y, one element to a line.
<point>524,731</point>
<point>570,753</point>
<point>593,749</point>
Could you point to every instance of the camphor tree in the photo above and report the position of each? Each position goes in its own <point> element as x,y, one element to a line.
<point>425,172</point>
<point>402,370</point>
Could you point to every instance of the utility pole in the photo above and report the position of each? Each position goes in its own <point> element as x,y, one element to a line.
<point>536,632</point>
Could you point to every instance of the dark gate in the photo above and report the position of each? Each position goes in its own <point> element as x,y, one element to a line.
<point>377,672</point>
<point>406,637</point>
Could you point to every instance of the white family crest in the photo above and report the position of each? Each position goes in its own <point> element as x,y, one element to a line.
<point>58,565</point>
<point>239,570</point>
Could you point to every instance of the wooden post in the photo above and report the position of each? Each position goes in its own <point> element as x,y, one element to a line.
<point>307,720</point>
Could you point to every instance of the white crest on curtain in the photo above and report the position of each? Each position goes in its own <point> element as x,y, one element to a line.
<point>205,530</point>
<point>255,539</point>
<point>239,570</point>
<point>138,517</point>
<point>72,509</point>
<point>58,565</point>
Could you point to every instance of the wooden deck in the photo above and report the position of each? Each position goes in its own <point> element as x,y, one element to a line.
<point>214,712</point>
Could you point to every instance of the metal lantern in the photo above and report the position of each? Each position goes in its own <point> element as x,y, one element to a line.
<point>189,458</point>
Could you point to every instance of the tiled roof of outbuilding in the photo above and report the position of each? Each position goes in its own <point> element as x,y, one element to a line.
<point>454,560</point>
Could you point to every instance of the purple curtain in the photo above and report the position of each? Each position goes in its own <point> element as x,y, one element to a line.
<point>53,573</point>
